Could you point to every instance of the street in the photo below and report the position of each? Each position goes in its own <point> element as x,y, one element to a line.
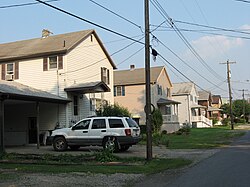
<point>228,167</point>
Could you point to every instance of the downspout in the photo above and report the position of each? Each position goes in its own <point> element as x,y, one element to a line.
<point>58,94</point>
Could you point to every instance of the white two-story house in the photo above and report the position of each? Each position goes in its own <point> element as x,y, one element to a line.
<point>52,81</point>
<point>190,112</point>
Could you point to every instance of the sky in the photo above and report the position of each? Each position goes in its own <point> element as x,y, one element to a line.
<point>193,38</point>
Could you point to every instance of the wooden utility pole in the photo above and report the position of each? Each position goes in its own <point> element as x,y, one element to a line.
<point>147,78</point>
<point>230,91</point>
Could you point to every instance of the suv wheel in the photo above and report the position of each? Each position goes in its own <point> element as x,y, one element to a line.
<point>60,144</point>
<point>110,143</point>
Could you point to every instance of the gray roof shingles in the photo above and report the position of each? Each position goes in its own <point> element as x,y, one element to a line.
<point>15,90</point>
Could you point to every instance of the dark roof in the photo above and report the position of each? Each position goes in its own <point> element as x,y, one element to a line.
<point>216,99</point>
<point>136,76</point>
<point>38,47</point>
<point>17,91</point>
<point>90,87</point>
<point>163,101</point>
<point>204,95</point>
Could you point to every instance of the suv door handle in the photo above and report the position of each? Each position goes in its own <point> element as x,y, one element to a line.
<point>103,131</point>
<point>84,131</point>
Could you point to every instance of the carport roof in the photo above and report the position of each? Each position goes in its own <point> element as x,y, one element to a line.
<point>18,91</point>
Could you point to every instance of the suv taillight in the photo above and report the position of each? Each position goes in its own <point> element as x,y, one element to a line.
<point>128,132</point>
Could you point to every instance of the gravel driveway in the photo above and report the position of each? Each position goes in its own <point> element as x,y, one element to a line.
<point>90,179</point>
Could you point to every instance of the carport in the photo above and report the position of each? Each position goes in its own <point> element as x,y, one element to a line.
<point>14,92</point>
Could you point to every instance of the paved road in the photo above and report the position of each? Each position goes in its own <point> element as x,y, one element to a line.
<point>229,167</point>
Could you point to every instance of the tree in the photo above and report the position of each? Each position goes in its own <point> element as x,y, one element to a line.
<point>238,108</point>
<point>113,110</point>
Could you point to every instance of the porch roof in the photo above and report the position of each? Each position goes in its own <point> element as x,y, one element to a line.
<point>211,109</point>
<point>90,87</point>
<point>197,106</point>
<point>163,101</point>
<point>17,91</point>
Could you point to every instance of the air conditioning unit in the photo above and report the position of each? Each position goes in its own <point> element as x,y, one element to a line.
<point>9,77</point>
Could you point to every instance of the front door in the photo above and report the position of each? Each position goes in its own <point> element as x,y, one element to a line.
<point>32,130</point>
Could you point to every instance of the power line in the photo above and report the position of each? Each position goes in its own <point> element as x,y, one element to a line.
<point>161,10</point>
<point>90,22</point>
<point>25,4</point>
<point>211,27</point>
<point>116,14</point>
<point>243,1</point>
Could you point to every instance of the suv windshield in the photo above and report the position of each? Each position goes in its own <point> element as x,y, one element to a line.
<point>131,122</point>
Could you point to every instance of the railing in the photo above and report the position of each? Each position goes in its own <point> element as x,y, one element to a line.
<point>202,119</point>
<point>170,118</point>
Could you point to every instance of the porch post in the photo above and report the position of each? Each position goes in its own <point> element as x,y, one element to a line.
<point>37,124</point>
<point>2,148</point>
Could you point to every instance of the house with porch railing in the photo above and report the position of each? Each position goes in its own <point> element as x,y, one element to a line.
<point>129,91</point>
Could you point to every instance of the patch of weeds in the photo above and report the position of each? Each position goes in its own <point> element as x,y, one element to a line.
<point>105,156</point>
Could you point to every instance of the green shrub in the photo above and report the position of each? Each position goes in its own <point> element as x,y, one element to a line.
<point>225,121</point>
<point>113,110</point>
<point>105,156</point>
<point>157,121</point>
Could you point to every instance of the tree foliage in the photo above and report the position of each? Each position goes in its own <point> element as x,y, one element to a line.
<point>238,107</point>
<point>113,110</point>
<point>157,121</point>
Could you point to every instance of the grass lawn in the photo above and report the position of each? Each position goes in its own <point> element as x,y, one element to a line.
<point>202,138</point>
<point>102,162</point>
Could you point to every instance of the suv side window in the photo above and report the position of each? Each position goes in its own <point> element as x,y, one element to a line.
<point>82,125</point>
<point>98,124</point>
<point>116,123</point>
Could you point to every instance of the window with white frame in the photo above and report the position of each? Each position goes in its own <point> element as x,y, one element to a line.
<point>105,75</point>
<point>53,62</point>
<point>10,69</point>
<point>119,91</point>
<point>159,89</point>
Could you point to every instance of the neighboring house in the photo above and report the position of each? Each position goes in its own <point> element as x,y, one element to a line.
<point>205,99</point>
<point>190,112</point>
<point>216,103</point>
<point>129,91</point>
<point>75,71</point>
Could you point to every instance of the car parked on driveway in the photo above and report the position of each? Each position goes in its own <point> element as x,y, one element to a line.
<point>114,133</point>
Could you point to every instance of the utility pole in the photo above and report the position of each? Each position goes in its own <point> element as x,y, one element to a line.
<point>230,91</point>
<point>147,78</point>
<point>243,102</point>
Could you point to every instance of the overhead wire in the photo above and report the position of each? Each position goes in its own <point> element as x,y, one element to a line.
<point>25,4</point>
<point>90,22</point>
<point>161,10</point>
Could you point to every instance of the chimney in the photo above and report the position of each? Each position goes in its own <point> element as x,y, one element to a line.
<point>46,33</point>
<point>132,67</point>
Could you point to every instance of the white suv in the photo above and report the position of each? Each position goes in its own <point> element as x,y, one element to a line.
<point>115,133</point>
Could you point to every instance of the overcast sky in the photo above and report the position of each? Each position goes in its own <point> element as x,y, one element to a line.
<point>216,30</point>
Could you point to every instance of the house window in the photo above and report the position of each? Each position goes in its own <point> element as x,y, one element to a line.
<point>191,98</point>
<point>75,102</point>
<point>168,92</point>
<point>105,75</point>
<point>92,104</point>
<point>119,91</point>
<point>159,89</point>
<point>10,69</point>
<point>168,110</point>
<point>53,62</point>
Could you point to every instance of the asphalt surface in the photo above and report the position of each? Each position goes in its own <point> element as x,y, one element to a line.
<point>229,167</point>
